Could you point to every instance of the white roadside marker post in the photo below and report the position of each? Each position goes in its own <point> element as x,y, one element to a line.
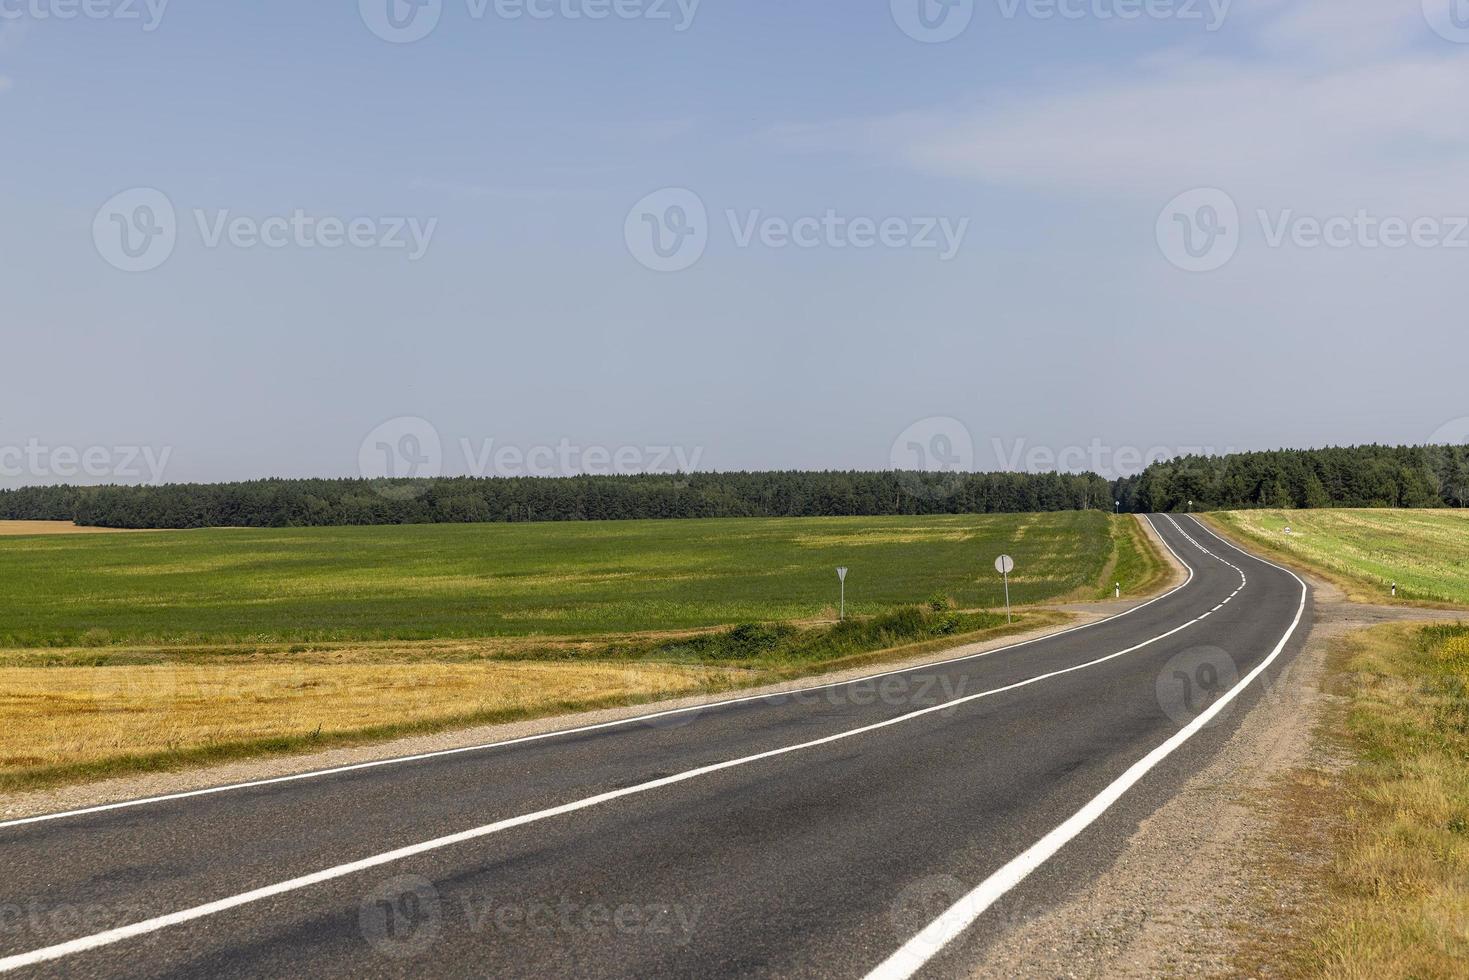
<point>1005,565</point>
<point>842,578</point>
<point>1119,590</point>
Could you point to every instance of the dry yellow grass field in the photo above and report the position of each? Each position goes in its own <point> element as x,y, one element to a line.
<point>12,529</point>
<point>75,717</point>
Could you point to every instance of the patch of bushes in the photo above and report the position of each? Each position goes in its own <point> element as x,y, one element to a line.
<point>785,644</point>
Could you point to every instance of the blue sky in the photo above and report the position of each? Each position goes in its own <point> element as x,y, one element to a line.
<point>1061,321</point>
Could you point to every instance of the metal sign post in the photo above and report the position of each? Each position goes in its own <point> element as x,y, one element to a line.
<point>1005,565</point>
<point>842,578</point>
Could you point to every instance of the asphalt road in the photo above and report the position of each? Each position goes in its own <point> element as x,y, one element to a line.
<point>899,824</point>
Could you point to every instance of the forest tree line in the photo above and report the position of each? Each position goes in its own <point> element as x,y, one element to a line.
<point>305,503</point>
<point>1358,476</point>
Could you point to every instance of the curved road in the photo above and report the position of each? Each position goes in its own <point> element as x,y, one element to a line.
<point>889,827</point>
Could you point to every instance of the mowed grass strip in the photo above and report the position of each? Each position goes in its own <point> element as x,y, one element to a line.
<point>498,580</point>
<point>1426,552</point>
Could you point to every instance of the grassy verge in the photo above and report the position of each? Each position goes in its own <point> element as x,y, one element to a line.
<point>1426,552</point>
<point>92,715</point>
<point>1395,899</point>
<point>1138,566</point>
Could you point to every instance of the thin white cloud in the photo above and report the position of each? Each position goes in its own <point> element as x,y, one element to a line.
<point>1289,118</point>
<point>1338,30</point>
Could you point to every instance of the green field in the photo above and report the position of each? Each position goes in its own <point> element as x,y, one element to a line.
<point>156,650</point>
<point>1425,551</point>
<point>515,580</point>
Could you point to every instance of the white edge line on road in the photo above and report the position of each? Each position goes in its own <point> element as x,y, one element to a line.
<point>915,953</point>
<point>110,936</point>
<point>443,753</point>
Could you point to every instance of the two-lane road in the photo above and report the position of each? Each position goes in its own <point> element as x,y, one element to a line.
<point>896,825</point>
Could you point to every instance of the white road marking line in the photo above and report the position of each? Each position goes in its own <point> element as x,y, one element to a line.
<point>916,952</point>
<point>147,926</point>
<point>444,753</point>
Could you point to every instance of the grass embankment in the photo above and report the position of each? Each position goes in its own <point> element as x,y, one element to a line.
<point>1139,567</point>
<point>1396,895</point>
<point>155,650</point>
<point>1426,552</point>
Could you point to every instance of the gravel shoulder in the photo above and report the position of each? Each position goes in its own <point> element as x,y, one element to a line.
<point>1196,891</point>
